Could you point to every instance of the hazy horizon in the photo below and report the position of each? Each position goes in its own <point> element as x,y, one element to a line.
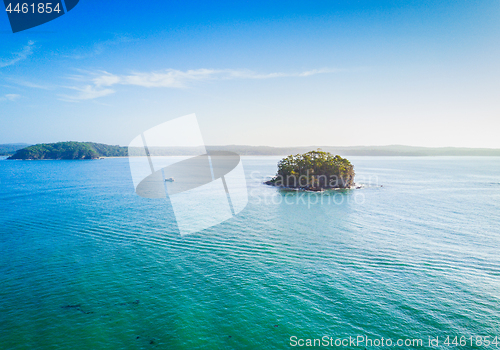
<point>285,73</point>
<point>257,146</point>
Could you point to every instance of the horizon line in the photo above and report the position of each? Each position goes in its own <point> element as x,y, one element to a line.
<point>314,147</point>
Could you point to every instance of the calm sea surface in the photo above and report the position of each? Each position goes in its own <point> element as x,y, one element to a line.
<point>85,263</point>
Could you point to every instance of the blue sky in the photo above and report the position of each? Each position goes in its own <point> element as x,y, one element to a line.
<point>282,73</point>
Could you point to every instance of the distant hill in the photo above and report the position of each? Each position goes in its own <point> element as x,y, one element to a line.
<point>91,150</point>
<point>393,150</point>
<point>8,149</point>
<point>69,150</point>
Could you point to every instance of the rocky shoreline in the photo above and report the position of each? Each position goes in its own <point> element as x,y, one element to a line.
<point>312,189</point>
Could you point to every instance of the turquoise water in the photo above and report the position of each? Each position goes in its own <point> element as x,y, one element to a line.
<point>87,264</point>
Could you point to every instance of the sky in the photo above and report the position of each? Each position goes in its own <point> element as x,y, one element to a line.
<point>275,73</point>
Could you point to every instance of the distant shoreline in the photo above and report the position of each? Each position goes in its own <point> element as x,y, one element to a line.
<point>242,156</point>
<point>94,150</point>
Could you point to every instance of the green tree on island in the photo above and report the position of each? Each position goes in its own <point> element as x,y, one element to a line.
<point>69,150</point>
<point>314,170</point>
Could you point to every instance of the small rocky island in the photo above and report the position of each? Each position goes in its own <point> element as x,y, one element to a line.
<point>314,171</point>
<point>69,150</point>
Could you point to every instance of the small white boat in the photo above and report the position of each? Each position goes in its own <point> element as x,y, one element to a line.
<point>170,179</point>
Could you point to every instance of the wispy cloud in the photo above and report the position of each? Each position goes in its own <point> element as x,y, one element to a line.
<point>173,78</point>
<point>88,92</point>
<point>18,56</point>
<point>29,84</point>
<point>100,82</point>
<point>10,97</point>
<point>99,47</point>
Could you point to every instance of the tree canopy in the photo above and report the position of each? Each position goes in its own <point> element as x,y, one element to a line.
<point>314,170</point>
<point>9,149</point>
<point>69,150</point>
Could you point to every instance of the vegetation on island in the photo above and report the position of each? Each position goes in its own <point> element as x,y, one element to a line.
<point>69,150</point>
<point>314,171</point>
<point>8,149</point>
<point>395,150</point>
